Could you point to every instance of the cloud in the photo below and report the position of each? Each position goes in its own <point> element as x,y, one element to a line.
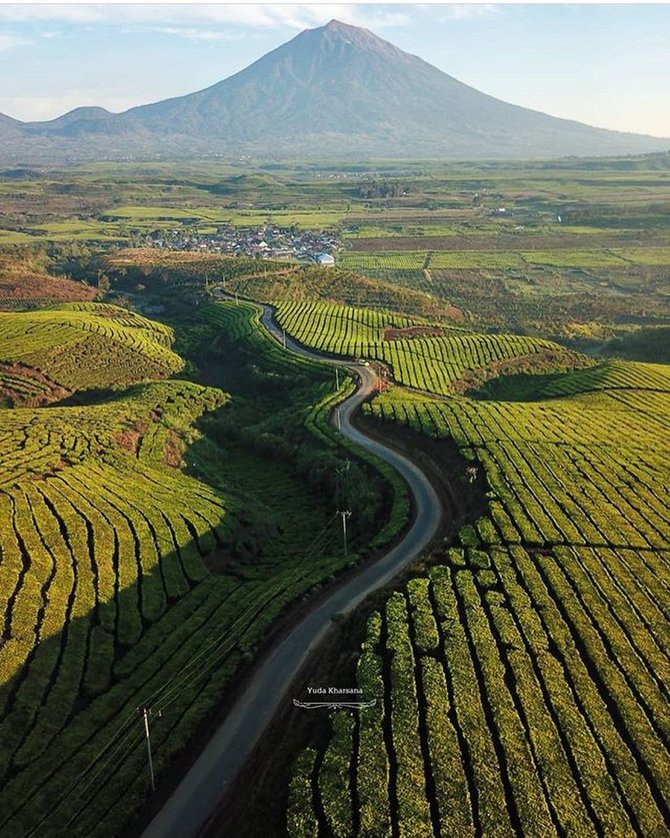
<point>444,13</point>
<point>266,16</point>
<point>249,14</point>
<point>373,18</point>
<point>11,41</point>
<point>194,34</point>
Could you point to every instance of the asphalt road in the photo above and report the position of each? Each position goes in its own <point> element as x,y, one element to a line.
<point>200,790</point>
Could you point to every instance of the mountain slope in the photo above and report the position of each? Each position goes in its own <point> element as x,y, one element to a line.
<point>333,91</point>
<point>9,128</point>
<point>70,122</point>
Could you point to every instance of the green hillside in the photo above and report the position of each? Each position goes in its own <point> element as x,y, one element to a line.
<point>83,345</point>
<point>521,683</point>
<point>146,546</point>
<point>170,490</point>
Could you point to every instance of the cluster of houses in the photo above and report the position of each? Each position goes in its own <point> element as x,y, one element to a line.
<point>265,242</point>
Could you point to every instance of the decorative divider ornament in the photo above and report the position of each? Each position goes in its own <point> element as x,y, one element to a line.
<point>334,705</point>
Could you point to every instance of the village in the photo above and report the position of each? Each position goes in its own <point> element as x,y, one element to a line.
<point>264,242</point>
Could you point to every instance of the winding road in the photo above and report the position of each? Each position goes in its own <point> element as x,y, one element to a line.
<point>199,792</point>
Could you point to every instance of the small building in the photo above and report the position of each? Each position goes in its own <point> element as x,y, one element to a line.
<point>326,260</point>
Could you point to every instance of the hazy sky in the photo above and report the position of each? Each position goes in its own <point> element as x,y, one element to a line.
<point>607,65</point>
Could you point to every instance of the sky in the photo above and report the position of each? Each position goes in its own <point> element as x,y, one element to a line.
<point>606,65</point>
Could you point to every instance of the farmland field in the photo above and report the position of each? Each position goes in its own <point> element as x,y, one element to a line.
<point>521,684</point>
<point>575,249</point>
<point>170,489</point>
<point>420,355</point>
<point>503,259</point>
<point>143,559</point>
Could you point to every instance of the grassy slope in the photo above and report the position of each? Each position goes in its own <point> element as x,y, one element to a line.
<point>541,630</point>
<point>420,354</point>
<point>114,515</point>
<point>25,282</point>
<point>85,345</point>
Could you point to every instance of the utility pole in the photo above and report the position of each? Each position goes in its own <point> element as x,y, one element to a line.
<point>284,333</point>
<point>339,472</point>
<point>237,299</point>
<point>145,713</point>
<point>337,378</point>
<point>344,514</point>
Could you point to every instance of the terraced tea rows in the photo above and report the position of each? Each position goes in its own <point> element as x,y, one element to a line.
<point>610,376</point>
<point>108,599</point>
<point>522,685</point>
<point>589,470</point>
<point>416,356</point>
<point>96,546</point>
<point>516,691</point>
<point>522,681</point>
<point>23,386</point>
<point>83,345</point>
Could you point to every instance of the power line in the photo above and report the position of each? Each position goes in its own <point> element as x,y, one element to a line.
<point>125,739</point>
<point>114,753</point>
<point>168,687</point>
<point>169,696</point>
<point>179,677</point>
<point>136,741</point>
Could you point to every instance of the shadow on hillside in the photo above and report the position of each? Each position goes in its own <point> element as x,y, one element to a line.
<point>95,395</point>
<point>92,676</point>
<point>530,387</point>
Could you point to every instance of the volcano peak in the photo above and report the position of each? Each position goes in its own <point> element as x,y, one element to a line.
<point>337,90</point>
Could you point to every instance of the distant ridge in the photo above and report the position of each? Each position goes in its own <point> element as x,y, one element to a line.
<point>336,91</point>
<point>78,115</point>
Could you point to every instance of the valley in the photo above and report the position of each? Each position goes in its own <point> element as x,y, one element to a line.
<point>174,473</point>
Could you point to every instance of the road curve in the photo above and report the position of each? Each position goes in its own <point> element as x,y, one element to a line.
<point>198,793</point>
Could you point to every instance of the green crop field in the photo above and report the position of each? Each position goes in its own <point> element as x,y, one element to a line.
<point>420,355</point>
<point>142,560</point>
<point>503,260</point>
<point>169,491</point>
<point>521,685</point>
<point>100,542</point>
<point>159,216</point>
<point>83,345</point>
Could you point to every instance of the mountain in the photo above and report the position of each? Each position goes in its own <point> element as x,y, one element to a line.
<point>9,127</point>
<point>336,91</point>
<point>70,122</point>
